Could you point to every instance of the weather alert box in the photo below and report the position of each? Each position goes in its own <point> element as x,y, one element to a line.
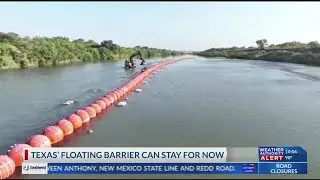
<point>271,154</point>
<point>147,160</point>
<point>282,160</point>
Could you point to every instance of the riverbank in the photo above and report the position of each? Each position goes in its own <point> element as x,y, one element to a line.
<point>308,58</point>
<point>25,52</point>
<point>289,52</point>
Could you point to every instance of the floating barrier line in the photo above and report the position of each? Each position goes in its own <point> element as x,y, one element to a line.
<point>64,127</point>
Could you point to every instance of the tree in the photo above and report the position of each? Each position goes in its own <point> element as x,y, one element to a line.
<point>314,44</point>
<point>114,47</point>
<point>105,53</point>
<point>293,44</point>
<point>12,34</point>
<point>80,40</point>
<point>16,51</point>
<point>61,38</point>
<point>272,46</point>
<point>107,44</point>
<point>92,42</point>
<point>8,37</point>
<point>261,43</point>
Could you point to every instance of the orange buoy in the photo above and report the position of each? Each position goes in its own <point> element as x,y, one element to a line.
<point>96,107</point>
<point>101,103</point>
<point>66,127</point>
<point>54,133</point>
<point>110,98</point>
<point>127,87</point>
<point>84,115</point>
<point>16,154</point>
<point>118,94</point>
<point>75,120</point>
<point>91,111</point>
<point>7,166</point>
<point>124,89</point>
<point>114,96</point>
<point>122,93</point>
<point>132,84</point>
<point>107,102</point>
<point>39,141</point>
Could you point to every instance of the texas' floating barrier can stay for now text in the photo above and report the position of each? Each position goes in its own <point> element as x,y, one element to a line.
<point>165,160</point>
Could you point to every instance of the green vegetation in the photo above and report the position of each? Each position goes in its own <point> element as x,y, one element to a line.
<point>23,52</point>
<point>291,52</point>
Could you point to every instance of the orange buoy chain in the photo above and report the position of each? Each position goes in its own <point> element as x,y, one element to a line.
<point>97,108</point>
<point>66,126</point>
<point>84,115</point>
<point>75,120</point>
<point>55,133</point>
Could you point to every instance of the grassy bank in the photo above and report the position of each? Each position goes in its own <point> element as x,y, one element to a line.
<point>290,52</point>
<point>24,52</point>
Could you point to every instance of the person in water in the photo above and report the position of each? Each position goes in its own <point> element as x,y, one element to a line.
<point>130,63</point>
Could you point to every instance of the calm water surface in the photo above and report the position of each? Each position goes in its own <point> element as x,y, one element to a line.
<point>210,102</point>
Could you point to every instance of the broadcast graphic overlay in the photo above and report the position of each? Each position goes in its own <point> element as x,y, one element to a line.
<point>163,160</point>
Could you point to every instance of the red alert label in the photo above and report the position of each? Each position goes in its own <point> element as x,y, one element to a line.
<point>271,158</point>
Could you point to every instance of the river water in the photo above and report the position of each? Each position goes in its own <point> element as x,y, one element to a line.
<point>203,102</point>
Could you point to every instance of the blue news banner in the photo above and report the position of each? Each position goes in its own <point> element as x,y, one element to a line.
<point>272,160</point>
<point>176,168</point>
